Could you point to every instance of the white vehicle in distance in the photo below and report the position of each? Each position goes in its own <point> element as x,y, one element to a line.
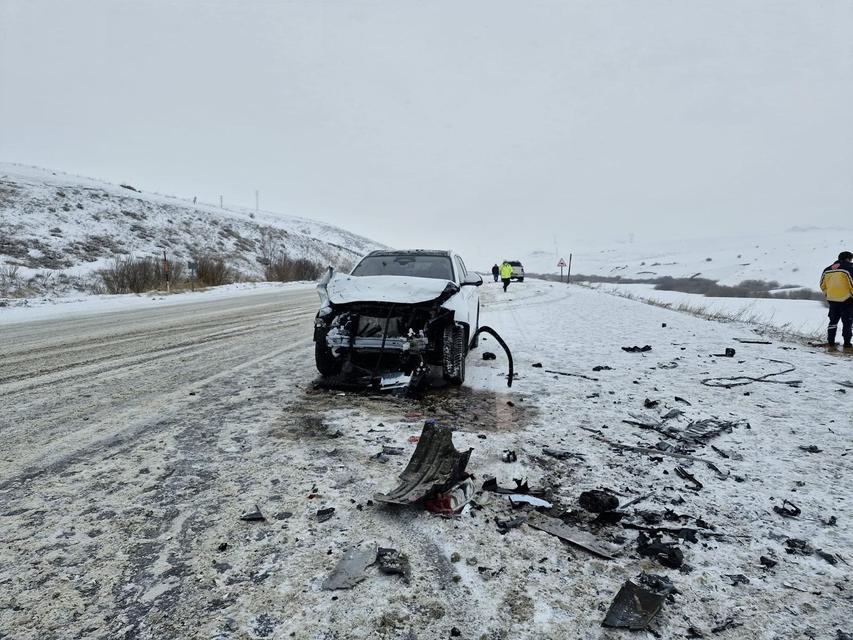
<point>517,270</point>
<point>398,312</point>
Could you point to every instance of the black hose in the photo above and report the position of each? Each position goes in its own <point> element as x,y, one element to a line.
<point>497,337</point>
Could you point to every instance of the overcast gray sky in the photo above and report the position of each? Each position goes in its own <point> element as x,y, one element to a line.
<point>491,126</point>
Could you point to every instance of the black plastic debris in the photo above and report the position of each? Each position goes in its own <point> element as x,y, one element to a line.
<point>682,473</point>
<point>638,602</point>
<point>683,401</point>
<point>667,553</point>
<point>597,501</point>
<point>509,456</point>
<point>830,522</point>
<point>841,635</point>
<point>325,514</point>
<point>392,562</point>
<point>830,558</point>
<point>737,578</point>
<point>351,568</point>
<point>812,448</point>
<point>536,365</point>
<point>602,367</point>
<point>521,487</point>
<point>434,467</point>
<point>728,623</point>
<point>253,515</point>
<point>392,451</point>
<point>650,404</point>
<point>798,547</point>
<point>636,349</point>
<point>223,546</point>
<point>505,525</point>
<point>573,536</point>
<point>729,353</point>
<point>769,563</point>
<point>488,355</point>
<point>788,509</point>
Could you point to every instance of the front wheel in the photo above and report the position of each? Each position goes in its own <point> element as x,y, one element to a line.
<point>327,363</point>
<point>453,361</point>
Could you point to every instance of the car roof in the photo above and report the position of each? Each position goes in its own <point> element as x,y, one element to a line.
<point>411,252</point>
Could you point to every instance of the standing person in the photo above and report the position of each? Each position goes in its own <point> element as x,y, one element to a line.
<point>506,273</point>
<point>837,285</point>
<point>496,272</point>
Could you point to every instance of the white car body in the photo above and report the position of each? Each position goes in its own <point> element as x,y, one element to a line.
<point>377,320</point>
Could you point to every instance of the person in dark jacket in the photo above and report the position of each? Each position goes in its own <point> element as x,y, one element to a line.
<point>836,282</point>
<point>496,272</point>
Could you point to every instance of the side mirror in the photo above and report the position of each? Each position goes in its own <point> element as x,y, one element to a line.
<point>472,280</point>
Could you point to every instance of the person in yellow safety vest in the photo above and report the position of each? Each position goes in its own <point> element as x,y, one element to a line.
<point>506,273</point>
<point>836,282</point>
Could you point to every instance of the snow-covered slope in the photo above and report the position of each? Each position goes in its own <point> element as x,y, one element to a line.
<point>58,230</point>
<point>796,256</point>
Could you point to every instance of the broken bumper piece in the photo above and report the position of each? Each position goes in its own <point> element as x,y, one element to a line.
<point>434,468</point>
<point>377,343</point>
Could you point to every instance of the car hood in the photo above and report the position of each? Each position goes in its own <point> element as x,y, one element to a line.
<point>346,289</point>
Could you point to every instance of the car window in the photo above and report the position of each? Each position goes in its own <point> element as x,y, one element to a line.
<point>438,267</point>
<point>463,273</point>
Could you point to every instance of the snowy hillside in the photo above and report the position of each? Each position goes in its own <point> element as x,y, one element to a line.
<point>57,230</point>
<point>796,256</point>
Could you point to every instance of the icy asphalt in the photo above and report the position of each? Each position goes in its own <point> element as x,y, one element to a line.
<point>132,442</point>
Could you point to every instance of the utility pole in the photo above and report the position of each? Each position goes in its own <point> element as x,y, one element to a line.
<point>220,202</point>
<point>569,274</point>
<point>256,200</point>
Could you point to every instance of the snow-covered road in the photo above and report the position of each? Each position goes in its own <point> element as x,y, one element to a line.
<point>133,441</point>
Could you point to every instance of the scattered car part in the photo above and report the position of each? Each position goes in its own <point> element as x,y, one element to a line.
<point>392,562</point>
<point>737,578</point>
<point>516,499</point>
<point>667,553</point>
<point>739,381</point>
<point>496,336</point>
<point>509,456</point>
<point>768,563</point>
<point>812,448</point>
<point>685,475</point>
<point>798,547</point>
<point>571,375</point>
<point>253,515</point>
<point>505,525</point>
<point>573,536</point>
<point>598,501</point>
<point>602,368</point>
<point>350,568</point>
<point>636,349</point>
<point>488,355</point>
<point>325,514</point>
<point>788,509</point>
<point>453,500</point>
<point>638,602</point>
<point>434,467</point>
<point>521,486</point>
<point>650,404</point>
<point>729,353</point>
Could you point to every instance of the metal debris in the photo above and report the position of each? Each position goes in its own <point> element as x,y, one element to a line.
<point>573,536</point>
<point>434,467</point>
<point>350,568</point>
<point>561,454</point>
<point>521,486</point>
<point>638,602</point>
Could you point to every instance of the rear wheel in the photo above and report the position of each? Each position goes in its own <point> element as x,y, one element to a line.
<point>453,362</point>
<point>327,364</point>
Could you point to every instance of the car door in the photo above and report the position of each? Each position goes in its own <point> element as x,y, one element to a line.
<point>471,293</point>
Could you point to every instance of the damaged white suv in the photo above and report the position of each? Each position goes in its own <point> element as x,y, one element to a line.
<point>398,313</point>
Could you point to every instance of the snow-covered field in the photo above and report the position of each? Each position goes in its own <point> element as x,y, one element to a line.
<point>796,256</point>
<point>804,318</point>
<point>59,229</point>
<point>133,442</point>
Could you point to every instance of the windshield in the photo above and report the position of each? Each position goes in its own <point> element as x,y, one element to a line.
<point>437,267</point>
